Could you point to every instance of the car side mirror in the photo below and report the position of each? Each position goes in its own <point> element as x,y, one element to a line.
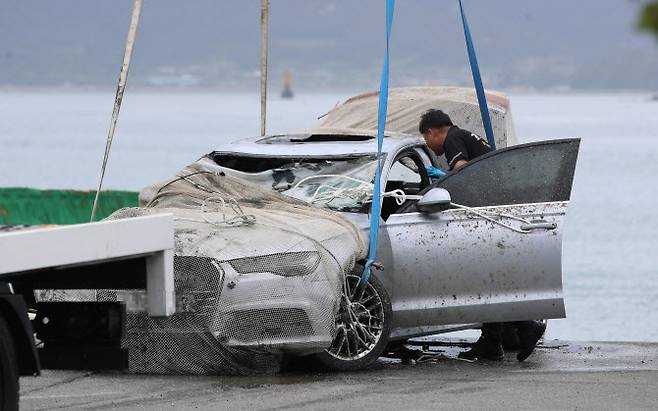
<point>434,200</point>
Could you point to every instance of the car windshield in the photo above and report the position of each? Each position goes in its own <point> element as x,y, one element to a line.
<point>339,183</point>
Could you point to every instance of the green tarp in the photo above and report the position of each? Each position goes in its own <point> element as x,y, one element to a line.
<point>31,206</point>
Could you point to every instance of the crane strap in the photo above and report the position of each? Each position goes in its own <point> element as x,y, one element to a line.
<point>376,209</point>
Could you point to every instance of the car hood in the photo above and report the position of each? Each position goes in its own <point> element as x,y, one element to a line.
<point>223,217</point>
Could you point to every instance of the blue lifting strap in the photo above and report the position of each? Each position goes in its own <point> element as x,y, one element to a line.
<point>375,212</point>
<point>479,88</point>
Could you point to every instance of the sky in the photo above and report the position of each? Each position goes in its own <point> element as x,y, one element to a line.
<point>546,45</point>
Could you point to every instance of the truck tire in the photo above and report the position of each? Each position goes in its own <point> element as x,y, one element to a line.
<point>8,369</point>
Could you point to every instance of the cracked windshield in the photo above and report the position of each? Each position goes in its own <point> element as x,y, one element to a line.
<point>342,184</point>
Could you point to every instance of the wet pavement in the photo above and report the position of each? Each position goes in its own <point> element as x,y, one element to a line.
<point>559,375</point>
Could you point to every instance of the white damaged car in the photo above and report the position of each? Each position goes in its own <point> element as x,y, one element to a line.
<point>482,244</point>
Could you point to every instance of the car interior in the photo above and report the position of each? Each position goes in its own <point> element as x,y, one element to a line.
<point>408,174</point>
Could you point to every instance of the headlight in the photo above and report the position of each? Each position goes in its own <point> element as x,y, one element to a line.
<point>285,264</point>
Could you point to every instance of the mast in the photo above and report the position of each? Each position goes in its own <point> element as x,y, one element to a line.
<point>264,17</point>
<point>121,87</point>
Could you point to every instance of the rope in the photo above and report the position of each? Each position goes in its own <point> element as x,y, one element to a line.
<point>400,196</point>
<point>305,179</point>
<point>433,358</point>
<point>240,218</point>
<point>178,178</point>
<point>365,189</point>
<point>483,214</point>
<point>121,87</point>
<point>264,18</point>
<point>362,192</point>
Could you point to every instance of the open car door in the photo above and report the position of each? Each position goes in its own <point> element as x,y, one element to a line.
<point>495,254</point>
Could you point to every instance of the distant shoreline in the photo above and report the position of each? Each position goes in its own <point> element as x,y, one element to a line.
<point>274,91</point>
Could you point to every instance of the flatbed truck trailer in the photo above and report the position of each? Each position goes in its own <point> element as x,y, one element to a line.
<point>127,254</point>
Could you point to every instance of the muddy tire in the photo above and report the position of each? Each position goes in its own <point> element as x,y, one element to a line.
<point>363,326</point>
<point>8,369</point>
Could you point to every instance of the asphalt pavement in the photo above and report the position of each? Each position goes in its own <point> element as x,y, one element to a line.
<point>559,375</point>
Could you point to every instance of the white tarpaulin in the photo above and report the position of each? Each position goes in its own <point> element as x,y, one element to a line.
<point>407,104</point>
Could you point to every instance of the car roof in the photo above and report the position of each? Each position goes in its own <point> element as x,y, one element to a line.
<point>320,142</point>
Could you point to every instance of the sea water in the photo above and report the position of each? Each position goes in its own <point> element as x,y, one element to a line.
<point>56,139</point>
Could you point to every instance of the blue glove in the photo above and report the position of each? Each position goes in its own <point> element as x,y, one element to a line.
<point>435,173</point>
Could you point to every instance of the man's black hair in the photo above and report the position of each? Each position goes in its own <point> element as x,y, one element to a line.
<point>433,119</point>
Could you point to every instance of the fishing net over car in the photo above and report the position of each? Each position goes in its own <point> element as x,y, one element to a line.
<point>256,274</point>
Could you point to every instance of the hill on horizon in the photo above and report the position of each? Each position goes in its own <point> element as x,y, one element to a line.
<point>584,45</point>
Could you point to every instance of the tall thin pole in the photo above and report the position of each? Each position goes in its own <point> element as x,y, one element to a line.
<point>123,78</point>
<point>264,17</point>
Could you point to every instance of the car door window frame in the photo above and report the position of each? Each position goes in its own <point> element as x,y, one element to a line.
<point>414,153</point>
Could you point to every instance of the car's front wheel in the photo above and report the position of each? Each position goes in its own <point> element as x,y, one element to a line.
<point>362,326</point>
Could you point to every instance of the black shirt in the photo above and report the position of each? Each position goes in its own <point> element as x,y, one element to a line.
<point>463,145</point>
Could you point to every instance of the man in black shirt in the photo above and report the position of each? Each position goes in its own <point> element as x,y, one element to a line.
<point>443,137</point>
<point>459,147</point>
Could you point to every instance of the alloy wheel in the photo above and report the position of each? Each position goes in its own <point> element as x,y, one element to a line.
<point>359,322</point>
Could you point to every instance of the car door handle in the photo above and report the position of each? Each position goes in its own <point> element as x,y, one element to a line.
<point>539,225</point>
